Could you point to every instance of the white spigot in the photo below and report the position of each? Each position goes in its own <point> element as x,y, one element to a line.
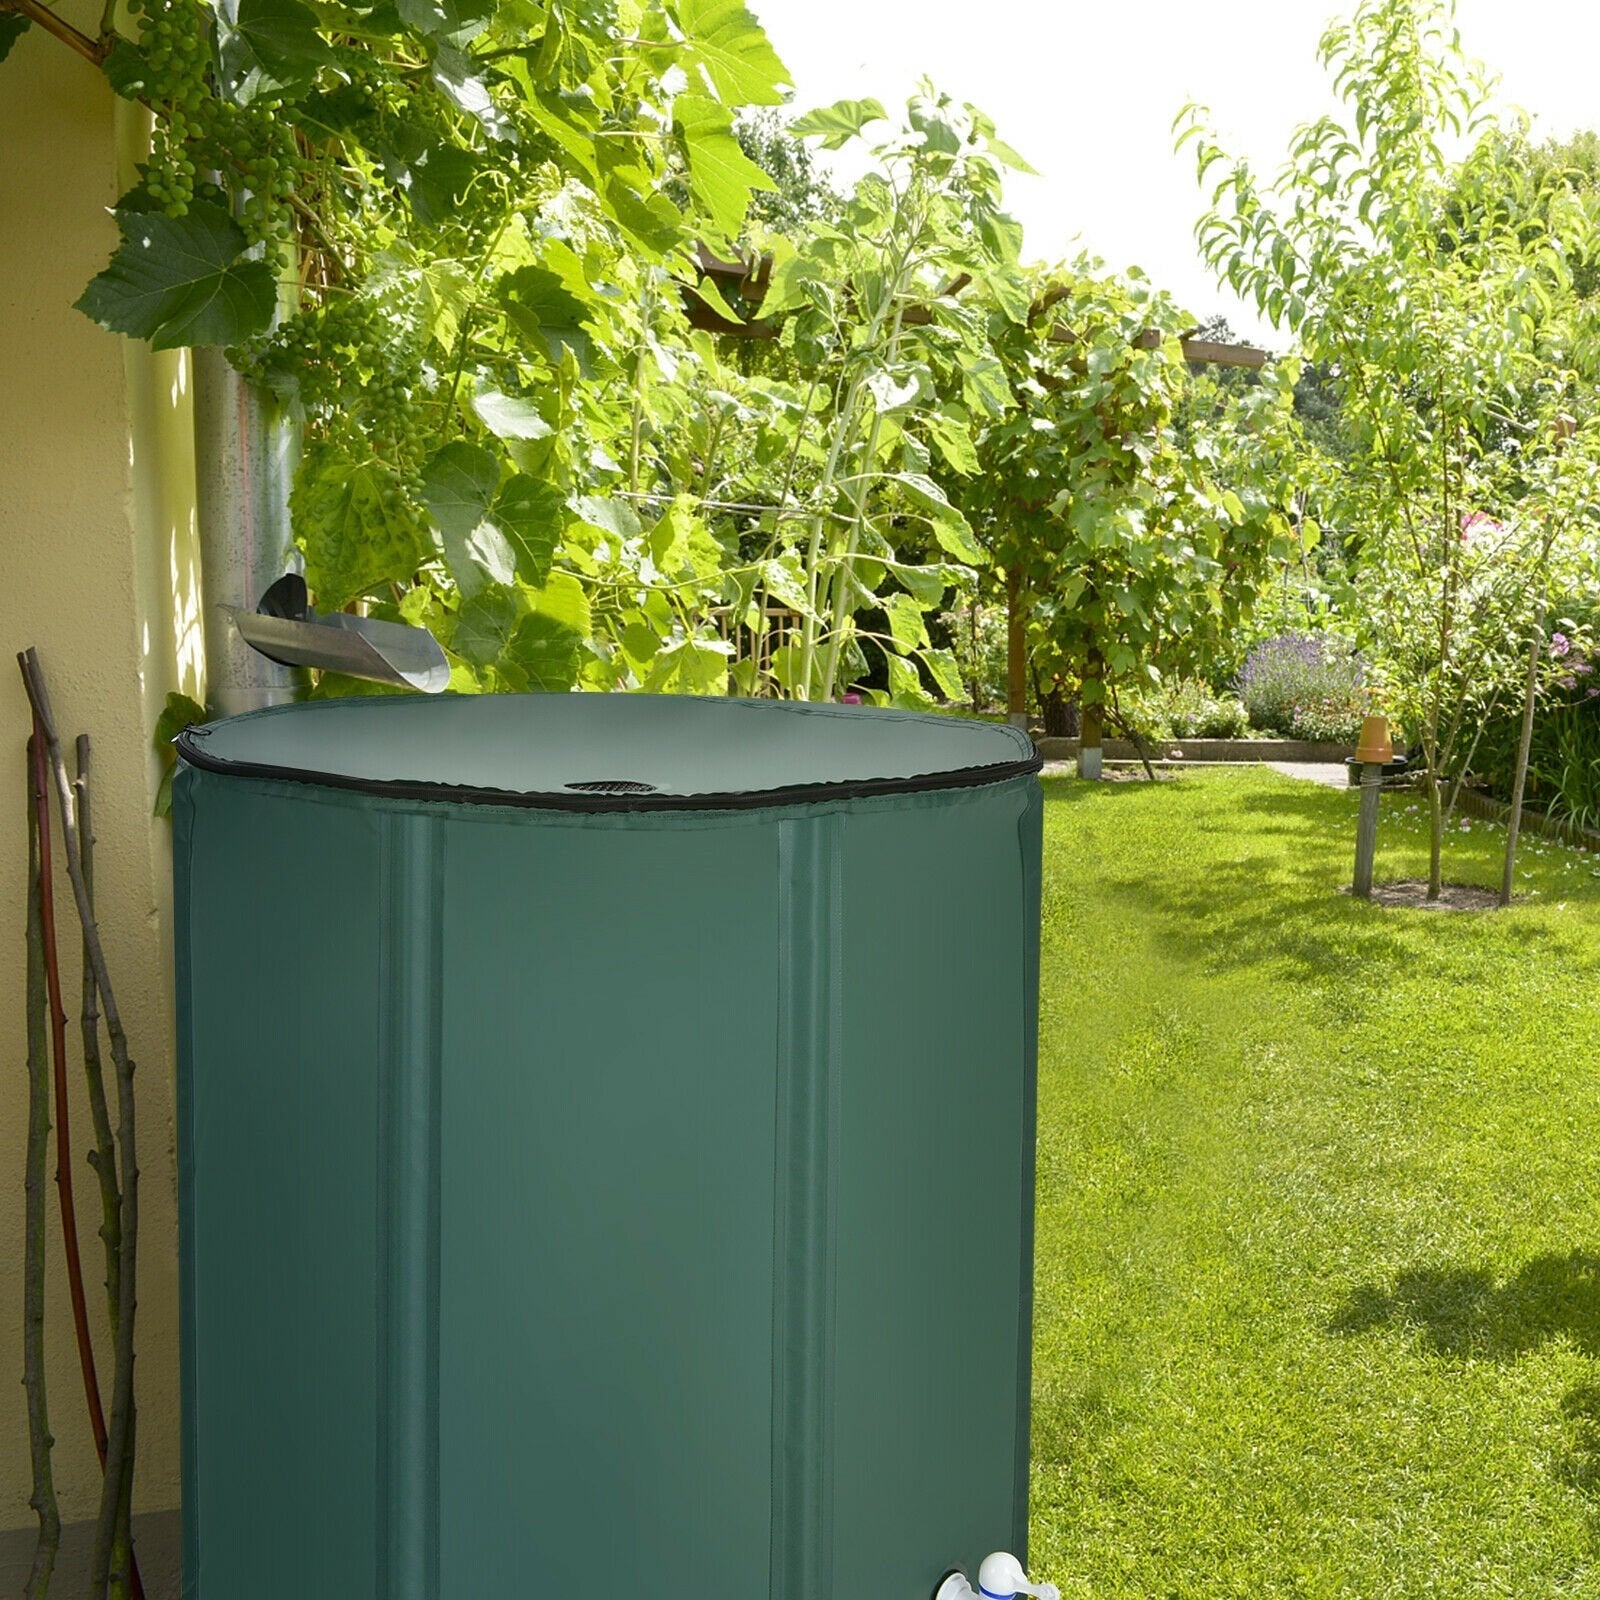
<point>999,1578</point>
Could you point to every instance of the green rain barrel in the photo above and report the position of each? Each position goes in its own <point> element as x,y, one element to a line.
<point>606,1136</point>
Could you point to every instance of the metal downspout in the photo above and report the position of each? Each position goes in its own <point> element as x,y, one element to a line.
<point>245,450</point>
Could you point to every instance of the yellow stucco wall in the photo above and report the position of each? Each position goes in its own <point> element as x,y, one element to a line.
<point>96,571</point>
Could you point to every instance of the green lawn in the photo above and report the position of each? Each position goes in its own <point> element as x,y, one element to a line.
<point>1318,1306</point>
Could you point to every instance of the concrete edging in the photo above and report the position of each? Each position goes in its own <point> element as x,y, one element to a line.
<point>1202,750</point>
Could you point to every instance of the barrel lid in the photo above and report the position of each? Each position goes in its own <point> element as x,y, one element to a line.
<point>609,752</point>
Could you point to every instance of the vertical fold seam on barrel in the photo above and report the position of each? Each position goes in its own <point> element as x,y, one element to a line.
<point>183,824</point>
<point>407,1555</point>
<point>1030,846</point>
<point>810,1020</point>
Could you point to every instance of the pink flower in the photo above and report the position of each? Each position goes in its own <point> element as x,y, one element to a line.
<point>1568,681</point>
<point>1583,667</point>
<point>1474,522</point>
<point>1589,694</point>
<point>1560,644</point>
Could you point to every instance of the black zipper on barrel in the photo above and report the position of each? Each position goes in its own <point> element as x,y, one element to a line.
<point>191,746</point>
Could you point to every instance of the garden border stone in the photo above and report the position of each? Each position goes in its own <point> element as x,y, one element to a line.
<point>1203,750</point>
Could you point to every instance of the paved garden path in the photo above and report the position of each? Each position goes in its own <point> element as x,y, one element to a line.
<point>1330,773</point>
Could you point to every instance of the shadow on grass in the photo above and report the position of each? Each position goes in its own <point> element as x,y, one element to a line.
<point>1267,909</point>
<point>1281,907</point>
<point>1463,1313</point>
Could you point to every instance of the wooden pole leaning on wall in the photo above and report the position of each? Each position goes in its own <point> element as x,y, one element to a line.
<point>42,1499</point>
<point>111,1560</point>
<point>58,1056</point>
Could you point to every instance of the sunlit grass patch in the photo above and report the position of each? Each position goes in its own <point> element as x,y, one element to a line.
<point>1319,1183</point>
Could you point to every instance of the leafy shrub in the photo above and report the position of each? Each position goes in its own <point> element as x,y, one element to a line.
<point>1304,686</point>
<point>1564,758</point>
<point>978,641</point>
<point>1187,709</point>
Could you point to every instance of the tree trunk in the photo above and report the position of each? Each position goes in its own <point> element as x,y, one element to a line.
<point>1060,714</point>
<point>1016,653</point>
<point>1435,832</point>
<point>1092,716</point>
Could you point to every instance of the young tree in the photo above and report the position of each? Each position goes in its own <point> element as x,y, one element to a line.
<point>1106,501</point>
<point>1437,294</point>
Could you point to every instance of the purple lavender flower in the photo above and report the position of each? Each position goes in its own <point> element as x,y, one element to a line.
<point>1303,685</point>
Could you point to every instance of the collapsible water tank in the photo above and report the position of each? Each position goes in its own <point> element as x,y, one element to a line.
<point>606,1136</point>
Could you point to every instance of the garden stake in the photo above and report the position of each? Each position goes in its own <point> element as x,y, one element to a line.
<point>117,1488</point>
<point>1374,752</point>
<point>58,1053</point>
<point>43,1499</point>
<point>103,1158</point>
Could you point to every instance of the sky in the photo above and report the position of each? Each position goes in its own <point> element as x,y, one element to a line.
<point>1088,93</point>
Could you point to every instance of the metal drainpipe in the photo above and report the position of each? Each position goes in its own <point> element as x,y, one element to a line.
<point>245,450</point>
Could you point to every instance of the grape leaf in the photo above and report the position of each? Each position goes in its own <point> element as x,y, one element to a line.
<point>484,626</point>
<point>530,513</point>
<point>438,178</point>
<point>564,600</point>
<point>458,485</point>
<point>610,516</point>
<point>268,46</point>
<point>454,74</point>
<point>12,28</point>
<point>125,67</point>
<point>510,416</point>
<point>547,652</point>
<point>455,21</point>
<point>732,52</point>
<point>546,304</point>
<point>181,281</point>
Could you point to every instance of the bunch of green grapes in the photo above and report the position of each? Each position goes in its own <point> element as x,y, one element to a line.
<point>199,134</point>
<point>176,44</point>
<point>351,361</point>
<point>268,165</point>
